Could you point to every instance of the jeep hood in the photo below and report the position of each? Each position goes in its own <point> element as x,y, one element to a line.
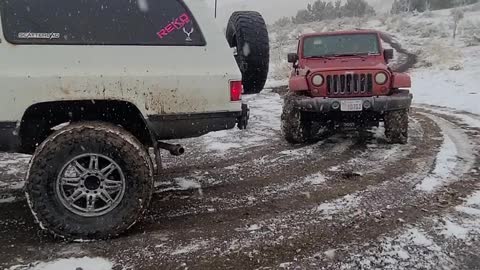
<point>344,63</point>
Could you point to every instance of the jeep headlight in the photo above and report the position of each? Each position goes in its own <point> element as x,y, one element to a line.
<point>317,80</point>
<point>381,78</point>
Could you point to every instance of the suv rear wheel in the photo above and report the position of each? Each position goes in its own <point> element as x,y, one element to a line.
<point>89,180</point>
<point>247,31</point>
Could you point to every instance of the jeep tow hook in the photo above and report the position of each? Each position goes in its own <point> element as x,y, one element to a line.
<point>174,149</point>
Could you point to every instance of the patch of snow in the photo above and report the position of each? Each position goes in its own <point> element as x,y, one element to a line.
<point>454,159</point>
<point>16,185</point>
<point>272,83</point>
<point>466,119</point>
<point>342,204</point>
<point>419,238</point>
<point>330,253</point>
<point>473,200</point>
<point>233,167</point>
<point>468,210</point>
<point>181,183</point>
<point>253,227</point>
<point>186,184</point>
<point>445,164</point>
<point>316,179</point>
<point>190,248</point>
<point>84,263</point>
<point>60,126</point>
<point>408,249</point>
<point>264,125</point>
<point>285,265</point>
<point>449,88</point>
<point>298,152</point>
<point>335,169</point>
<point>222,146</point>
<point>455,230</point>
<point>8,199</point>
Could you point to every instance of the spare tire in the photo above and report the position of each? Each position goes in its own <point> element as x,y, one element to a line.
<point>247,32</point>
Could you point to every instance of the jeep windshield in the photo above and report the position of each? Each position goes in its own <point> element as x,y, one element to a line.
<point>341,45</point>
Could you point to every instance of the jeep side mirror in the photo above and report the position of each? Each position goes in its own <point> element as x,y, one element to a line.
<point>292,58</point>
<point>388,53</point>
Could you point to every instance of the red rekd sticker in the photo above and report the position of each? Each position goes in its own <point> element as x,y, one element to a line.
<point>176,24</point>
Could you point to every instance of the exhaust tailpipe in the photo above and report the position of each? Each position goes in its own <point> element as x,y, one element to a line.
<point>174,149</point>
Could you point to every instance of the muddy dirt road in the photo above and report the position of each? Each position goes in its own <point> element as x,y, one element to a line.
<point>248,200</point>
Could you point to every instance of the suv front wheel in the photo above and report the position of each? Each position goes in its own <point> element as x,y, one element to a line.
<point>89,180</point>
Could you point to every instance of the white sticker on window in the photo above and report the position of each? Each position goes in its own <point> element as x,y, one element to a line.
<point>29,35</point>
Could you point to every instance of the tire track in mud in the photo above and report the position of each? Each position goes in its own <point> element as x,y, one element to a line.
<point>408,205</point>
<point>414,209</point>
<point>346,157</point>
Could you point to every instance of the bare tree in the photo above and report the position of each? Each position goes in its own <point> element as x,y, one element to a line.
<point>457,16</point>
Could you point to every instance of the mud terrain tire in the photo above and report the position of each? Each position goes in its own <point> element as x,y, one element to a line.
<point>54,156</point>
<point>247,31</point>
<point>294,127</point>
<point>396,126</point>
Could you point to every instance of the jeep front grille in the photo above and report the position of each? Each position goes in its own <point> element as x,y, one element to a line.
<point>350,84</point>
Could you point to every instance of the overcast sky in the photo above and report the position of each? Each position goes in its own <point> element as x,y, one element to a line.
<point>274,9</point>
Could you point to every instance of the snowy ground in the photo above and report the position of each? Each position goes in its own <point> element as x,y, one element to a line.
<point>248,200</point>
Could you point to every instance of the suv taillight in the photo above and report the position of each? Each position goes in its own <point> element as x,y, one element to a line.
<point>236,89</point>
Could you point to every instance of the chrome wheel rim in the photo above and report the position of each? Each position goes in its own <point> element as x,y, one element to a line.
<point>90,185</point>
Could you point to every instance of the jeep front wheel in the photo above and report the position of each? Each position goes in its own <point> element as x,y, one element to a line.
<point>89,181</point>
<point>294,127</point>
<point>396,126</point>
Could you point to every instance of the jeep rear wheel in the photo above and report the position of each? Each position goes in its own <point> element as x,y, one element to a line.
<point>247,32</point>
<point>294,127</point>
<point>396,126</point>
<point>89,181</point>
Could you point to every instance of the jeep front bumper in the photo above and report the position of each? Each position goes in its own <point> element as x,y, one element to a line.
<point>380,104</point>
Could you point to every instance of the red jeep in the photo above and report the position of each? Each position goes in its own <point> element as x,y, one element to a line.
<point>341,80</point>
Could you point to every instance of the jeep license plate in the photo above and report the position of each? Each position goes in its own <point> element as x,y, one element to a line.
<point>351,105</point>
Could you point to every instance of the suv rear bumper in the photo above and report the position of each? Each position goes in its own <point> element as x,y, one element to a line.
<point>380,104</point>
<point>167,127</point>
<point>9,139</point>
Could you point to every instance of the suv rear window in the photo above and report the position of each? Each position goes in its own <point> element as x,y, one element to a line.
<point>100,22</point>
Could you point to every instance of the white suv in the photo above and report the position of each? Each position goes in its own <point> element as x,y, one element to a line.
<point>124,75</point>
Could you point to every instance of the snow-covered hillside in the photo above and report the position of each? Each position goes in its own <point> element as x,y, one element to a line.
<point>448,70</point>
